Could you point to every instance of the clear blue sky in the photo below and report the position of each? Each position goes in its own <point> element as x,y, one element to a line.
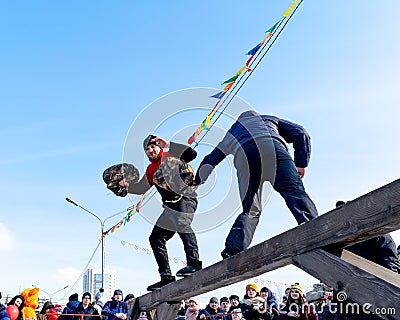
<point>75,75</point>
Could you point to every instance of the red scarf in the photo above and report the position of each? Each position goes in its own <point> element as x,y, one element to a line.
<point>155,163</point>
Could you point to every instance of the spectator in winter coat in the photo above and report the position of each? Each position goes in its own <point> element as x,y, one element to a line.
<point>115,309</point>
<point>211,312</point>
<point>70,308</point>
<point>85,307</point>
<point>17,301</point>
<point>254,307</point>
<point>53,313</point>
<point>297,307</point>
<point>237,314</point>
<point>46,306</point>
<point>258,144</point>
<point>235,302</point>
<point>225,307</point>
<point>193,310</point>
<point>267,294</point>
<point>3,312</point>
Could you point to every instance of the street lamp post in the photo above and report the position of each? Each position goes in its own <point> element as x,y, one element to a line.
<point>102,232</point>
<point>58,291</point>
<point>51,295</point>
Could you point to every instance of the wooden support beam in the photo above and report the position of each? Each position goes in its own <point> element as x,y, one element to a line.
<point>360,286</point>
<point>373,214</point>
<point>151,314</point>
<point>133,309</point>
<point>167,311</point>
<point>371,267</point>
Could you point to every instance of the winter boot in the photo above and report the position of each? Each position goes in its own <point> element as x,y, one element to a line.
<point>165,279</point>
<point>190,268</point>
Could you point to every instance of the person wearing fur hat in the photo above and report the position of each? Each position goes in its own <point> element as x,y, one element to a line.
<point>193,310</point>
<point>296,306</point>
<point>254,307</point>
<point>85,307</point>
<point>116,308</point>
<point>179,204</point>
<point>211,312</point>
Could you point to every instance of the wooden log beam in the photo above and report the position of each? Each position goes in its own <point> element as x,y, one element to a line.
<point>365,288</point>
<point>373,214</point>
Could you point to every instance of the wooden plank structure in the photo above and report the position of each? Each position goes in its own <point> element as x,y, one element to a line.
<point>316,248</point>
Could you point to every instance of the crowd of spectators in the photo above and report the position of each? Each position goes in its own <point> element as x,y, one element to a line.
<point>256,304</point>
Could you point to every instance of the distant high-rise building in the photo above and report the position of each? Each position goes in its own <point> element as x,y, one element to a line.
<point>92,282</point>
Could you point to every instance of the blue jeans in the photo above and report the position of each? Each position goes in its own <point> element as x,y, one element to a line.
<point>258,161</point>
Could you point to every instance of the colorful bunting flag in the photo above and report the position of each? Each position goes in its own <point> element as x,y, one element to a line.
<point>253,51</point>
<point>235,76</point>
<point>288,10</point>
<point>230,82</point>
<point>205,124</point>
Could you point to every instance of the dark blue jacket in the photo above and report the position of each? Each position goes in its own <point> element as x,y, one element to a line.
<point>271,301</point>
<point>70,308</point>
<point>3,313</point>
<point>251,126</point>
<point>211,314</point>
<point>112,307</point>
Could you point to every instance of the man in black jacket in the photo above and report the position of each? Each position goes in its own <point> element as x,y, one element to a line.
<point>85,307</point>
<point>179,205</point>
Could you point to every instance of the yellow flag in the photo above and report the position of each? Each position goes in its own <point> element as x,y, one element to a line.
<point>287,11</point>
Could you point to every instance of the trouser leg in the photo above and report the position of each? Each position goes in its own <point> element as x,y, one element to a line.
<point>190,246</point>
<point>184,214</point>
<point>177,217</point>
<point>249,174</point>
<point>290,186</point>
<point>158,239</point>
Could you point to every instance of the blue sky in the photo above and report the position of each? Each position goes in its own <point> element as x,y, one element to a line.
<point>75,75</point>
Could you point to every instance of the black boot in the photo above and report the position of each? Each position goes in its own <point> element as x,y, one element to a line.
<point>228,253</point>
<point>165,279</point>
<point>192,267</point>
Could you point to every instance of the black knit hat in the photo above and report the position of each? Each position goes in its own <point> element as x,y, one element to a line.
<point>147,141</point>
<point>234,296</point>
<point>129,296</point>
<point>118,292</point>
<point>87,294</point>
<point>264,289</point>
<point>223,299</point>
<point>73,297</point>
